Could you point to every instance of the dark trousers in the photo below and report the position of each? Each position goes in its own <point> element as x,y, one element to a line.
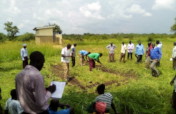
<point>139,58</point>
<point>174,63</point>
<point>91,64</point>
<point>130,55</point>
<point>25,62</point>
<point>44,112</point>
<point>174,100</point>
<point>73,61</point>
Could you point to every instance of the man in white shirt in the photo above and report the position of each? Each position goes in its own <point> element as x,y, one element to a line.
<point>123,52</point>
<point>130,49</point>
<point>66,54</point>
<point>24,55</point>
<point>111,47</point>
<point>174,56</point>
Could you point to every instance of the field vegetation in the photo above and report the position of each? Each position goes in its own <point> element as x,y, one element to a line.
<point>134,90</point>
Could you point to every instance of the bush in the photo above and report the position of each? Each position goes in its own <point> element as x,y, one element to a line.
<point>2,37</point>
<point>26,37</point>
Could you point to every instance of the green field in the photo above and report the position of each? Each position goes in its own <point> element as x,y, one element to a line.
<point>132,86</point>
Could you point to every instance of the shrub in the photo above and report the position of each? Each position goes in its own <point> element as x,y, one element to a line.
<point>2,37</point>
<point>26,37</point>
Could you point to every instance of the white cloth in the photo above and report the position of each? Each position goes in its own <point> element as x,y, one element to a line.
<point>66,52</point>
<point>123,48</point>
<point>111,48</point>
<point>159,45</point>
<point>130,48</point>
<point>24,53</point>
<point>174,52</point>
<point>15,107</point>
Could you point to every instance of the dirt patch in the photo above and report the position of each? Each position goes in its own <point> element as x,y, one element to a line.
<point>129,74</point>
<point>59,71</point>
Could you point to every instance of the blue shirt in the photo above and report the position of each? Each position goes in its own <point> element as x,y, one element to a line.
<point>155,53</point>
<point>139,49</point>
<point>64,111</point>
<point>83,52</point>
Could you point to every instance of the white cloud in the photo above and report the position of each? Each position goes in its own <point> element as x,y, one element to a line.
<point>137,9</point>
<point>92,10</point>
<point>164,4</point>
<point>13,7</point>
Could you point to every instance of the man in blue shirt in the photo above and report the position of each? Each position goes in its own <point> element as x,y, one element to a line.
<point>155,56</point>
<point>139,51</point>
<point>83,56</point>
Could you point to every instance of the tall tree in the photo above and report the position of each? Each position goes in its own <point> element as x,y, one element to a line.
<point>173,27</point>
<point>11,30</point>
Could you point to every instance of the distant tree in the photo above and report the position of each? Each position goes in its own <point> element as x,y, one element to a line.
<point>57,28</point>
<point>173,27</point>
<point>11,30</point>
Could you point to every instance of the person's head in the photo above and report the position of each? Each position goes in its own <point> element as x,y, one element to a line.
<point>54,104</point>
<point>74,45</point>
<point>157,42</point>
<point>153,45</point>
<point>37,59</point>
<point>139,42</point>
<point>111,44</point>
<point>24,45</point>
<point>174,43</point>
<point>149,44</point>
<point>68,46</point>
<point>101,89</point>
<point>101,54</point>
<point>88,53</point>
<point>129,42</point>
<point>123,43</point>
<point>13,94</point>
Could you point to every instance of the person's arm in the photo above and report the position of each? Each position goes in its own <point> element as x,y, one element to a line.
<point>22,54</point>
<point>113,107</point>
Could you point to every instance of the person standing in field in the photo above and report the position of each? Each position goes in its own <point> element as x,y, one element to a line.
<point>174,56</point>
<point>148,60</point>
<point>159,45</point>
<point>173,82</point>
<point>24,55</point>
<point>139,51</point>
<point>111,47</point>
<point>83,56</point>
<point>123,52</point>
<point>155,55</point>
<point>130,49</point>
<point>73,48</point>
<point>66,54</point>
<point>31,92</point>
<point>92,58</point>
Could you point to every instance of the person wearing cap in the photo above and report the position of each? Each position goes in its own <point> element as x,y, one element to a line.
<point>83,56</point>
<point>66,54</point>
<point>111,47</point>
<point>24,55</point>
<point>174,56</point>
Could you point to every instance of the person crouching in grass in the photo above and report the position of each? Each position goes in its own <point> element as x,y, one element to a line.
<point>92,58</point>
<point>83,56</point>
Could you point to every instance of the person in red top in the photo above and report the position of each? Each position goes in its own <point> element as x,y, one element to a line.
<point>148,60</point>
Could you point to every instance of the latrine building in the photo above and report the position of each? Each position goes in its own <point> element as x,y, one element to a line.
<point>47,35</point>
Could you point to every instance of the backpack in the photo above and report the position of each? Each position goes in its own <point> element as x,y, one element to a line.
<point>100,107</point>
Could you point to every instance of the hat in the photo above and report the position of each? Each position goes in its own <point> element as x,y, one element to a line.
<point>24,44</point>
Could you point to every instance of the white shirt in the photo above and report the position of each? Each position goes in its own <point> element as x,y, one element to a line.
<point>66,52</point>
<point>123,48</point>
<point>24,53</point>
<point>111,48</point>
<point>130,47</point>
<point>174,52</point>
<point>7,103</point>
<point>159,45</point>
<point>15,107</point>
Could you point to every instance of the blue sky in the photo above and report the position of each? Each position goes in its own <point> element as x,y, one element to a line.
<point>90,16</point>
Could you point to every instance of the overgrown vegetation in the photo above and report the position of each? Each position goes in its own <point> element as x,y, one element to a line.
<point>143,94</point>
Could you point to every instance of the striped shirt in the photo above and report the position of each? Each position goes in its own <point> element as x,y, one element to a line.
<point>106,98</point>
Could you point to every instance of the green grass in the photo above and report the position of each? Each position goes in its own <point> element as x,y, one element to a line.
<point>143,95</point>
